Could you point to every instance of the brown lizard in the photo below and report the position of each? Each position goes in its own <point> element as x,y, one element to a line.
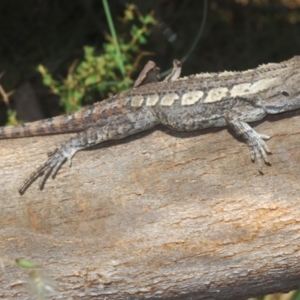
<point>184,104</point>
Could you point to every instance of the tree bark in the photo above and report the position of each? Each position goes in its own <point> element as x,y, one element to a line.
<point>160,215</point>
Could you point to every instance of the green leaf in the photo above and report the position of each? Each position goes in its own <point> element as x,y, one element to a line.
<point>92,80</point>
<point>103,72</point>
<point>23,263</point>
<point>142,40</point>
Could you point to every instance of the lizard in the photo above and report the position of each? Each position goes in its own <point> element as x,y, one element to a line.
<point>195,102</point>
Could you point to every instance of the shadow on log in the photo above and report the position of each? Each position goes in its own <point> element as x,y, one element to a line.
<point>158,215</point>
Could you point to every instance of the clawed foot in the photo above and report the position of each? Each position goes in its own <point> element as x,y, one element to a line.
<point>259,149</point>
<point>49,168</point>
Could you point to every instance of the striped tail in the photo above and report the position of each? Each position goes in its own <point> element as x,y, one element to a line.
<point>61,124</point>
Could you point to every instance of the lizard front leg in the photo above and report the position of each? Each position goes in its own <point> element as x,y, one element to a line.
<point>255,141</point>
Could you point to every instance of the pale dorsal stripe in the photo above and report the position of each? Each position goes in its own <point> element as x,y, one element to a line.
<point>168,99</point>
<point>152,99</point>
<point>240,89</point>
<point>191,98</point>
<point>137,100</point>
<point>248,88</point>
<point>216,94</point>
<point>261,85</point>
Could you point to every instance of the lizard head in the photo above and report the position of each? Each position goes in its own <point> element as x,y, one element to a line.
<point>284,95</point>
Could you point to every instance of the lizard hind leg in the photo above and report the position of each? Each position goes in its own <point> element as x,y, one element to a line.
<point>118,128</point>
<point>59,156</point>
<point>51,166</point>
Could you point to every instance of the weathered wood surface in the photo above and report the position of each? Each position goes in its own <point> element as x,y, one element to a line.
<point>160,216</point>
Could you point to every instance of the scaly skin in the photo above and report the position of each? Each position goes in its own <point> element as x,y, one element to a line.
<point>184,104</point>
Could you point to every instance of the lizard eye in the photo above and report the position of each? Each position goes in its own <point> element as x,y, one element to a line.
<point>285,93</point>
